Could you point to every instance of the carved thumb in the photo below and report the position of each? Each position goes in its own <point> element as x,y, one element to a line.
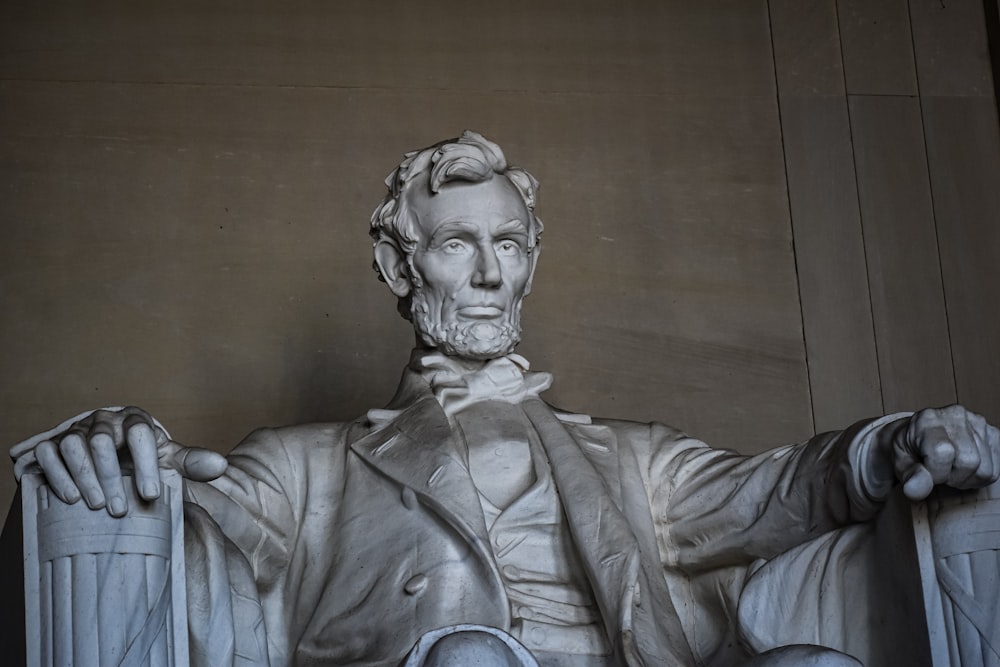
<point>195,463</point>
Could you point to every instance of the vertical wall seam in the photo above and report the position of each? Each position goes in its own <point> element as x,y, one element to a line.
<point>861,212</point>
<point>991,13</point>
<point>791,223</point>
<point>930,190</point>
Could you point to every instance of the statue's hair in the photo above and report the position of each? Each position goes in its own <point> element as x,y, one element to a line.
<point>472,158</point>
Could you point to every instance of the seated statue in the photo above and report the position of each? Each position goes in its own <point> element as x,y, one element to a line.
<point>468,521</point>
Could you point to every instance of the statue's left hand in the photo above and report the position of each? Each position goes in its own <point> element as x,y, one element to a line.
<point>81,458</point>
<point>951,446</point>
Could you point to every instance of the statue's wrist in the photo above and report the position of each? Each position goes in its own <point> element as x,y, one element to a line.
<point>882,463</point>
<point>872,456</point>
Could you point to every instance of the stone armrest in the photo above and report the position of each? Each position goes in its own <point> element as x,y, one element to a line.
<point>919,586</point>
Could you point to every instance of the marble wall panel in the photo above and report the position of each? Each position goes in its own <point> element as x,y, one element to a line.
<point>951,49</point>
<point>831,261</point>
<point>877,47</point>
<point>198,245</point>
<point>634,46</point>
<point>187,187</point>
<point>826,221</point>
<point>964,156</point>
<point>911,326</point>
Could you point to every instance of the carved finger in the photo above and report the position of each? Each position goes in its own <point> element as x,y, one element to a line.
<point>938,454</point>
<point>918,483</point>
<point>987,472</point>
<point>968,458</point>
<point>993,446</point>
<point>989,465</point>
<point>109,473</point>
<point>142,445</point>
<point>56,474</point>
<point>200,465</point>
<point>986,468</point>
<point>77,460</point>
<point>904,456</point>
<point>110,422</point>
<point>133,414</point>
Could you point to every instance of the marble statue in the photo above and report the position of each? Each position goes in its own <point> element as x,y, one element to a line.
<point>469,522</point>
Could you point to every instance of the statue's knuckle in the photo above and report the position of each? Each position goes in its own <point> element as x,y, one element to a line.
<point>70,443</point>
<point>103,417</point>
<point>134,412</point>
<point>968,458</point>
<point>44,451</point>
<point>135,428</point>
<point>941,454</point>
<point>102,440</point>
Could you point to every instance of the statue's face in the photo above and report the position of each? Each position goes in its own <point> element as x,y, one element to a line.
<point>472,267</point>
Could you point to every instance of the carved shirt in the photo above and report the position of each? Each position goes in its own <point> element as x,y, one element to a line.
<point>553,610</point>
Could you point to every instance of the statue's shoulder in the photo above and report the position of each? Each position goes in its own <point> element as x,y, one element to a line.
<point>646,440</point>
<point>636,435</point>
<point>303,440</point>
<point>628,429</point>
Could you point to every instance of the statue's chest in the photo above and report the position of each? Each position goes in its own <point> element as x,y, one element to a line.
<point>498,438</point>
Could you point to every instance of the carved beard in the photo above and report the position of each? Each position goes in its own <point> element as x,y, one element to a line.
<point>466,340</point>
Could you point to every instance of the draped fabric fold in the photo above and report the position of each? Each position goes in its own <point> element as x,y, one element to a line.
<point>225,620</point>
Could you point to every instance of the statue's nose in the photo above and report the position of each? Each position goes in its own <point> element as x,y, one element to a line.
<point>487,272</point>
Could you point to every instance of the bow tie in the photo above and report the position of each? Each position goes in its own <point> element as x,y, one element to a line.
<point>458,384</point>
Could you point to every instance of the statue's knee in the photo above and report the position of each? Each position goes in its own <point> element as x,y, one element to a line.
<point>803,655</point>
<point>471,648</point>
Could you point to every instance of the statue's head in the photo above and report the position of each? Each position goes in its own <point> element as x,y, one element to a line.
<point>456,240</point>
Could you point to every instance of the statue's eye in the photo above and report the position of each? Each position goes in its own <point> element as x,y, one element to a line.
<point>454,246</point>
<point>508,248</point>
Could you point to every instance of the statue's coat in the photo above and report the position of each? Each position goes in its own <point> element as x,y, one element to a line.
<point>359,537</point>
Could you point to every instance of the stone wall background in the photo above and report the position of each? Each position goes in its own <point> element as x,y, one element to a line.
<point>763,219</point>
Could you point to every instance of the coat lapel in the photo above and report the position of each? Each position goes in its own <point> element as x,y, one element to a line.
<point>606,544</point>
<point>588,473</point>
<point>419,451</point>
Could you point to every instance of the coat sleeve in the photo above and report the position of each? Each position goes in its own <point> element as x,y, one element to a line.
<point>254,502</point>
<point>241,534</point>
<point>714,507</point>
<point>238,536</point>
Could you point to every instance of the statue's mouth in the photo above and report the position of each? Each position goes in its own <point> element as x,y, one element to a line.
<point>480,312</point>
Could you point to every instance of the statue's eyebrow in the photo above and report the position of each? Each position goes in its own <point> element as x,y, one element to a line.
<point>450,227</point>
<point>513,225</point>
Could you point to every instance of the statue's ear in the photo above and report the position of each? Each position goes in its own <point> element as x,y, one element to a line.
<point>392,264</point>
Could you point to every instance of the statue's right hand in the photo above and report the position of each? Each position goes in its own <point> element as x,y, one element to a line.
<point>83,460</point>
